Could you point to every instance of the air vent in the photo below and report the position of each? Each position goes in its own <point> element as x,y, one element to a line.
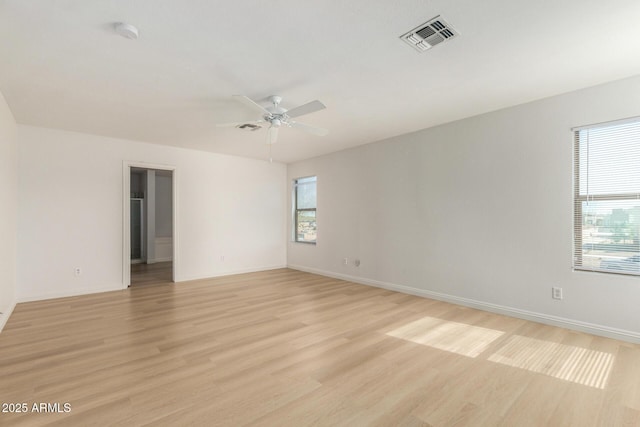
<point>429,34</point>
<point>249,126</point>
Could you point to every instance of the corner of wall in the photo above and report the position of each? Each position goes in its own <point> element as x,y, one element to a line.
<point>8,211</point>
<point>4,316</point>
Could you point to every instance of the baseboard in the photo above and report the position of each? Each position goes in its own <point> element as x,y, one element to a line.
<point>78,292</point>
<point>68,293</point>
<point>229,273</point>
<point>4,317</point>
<point>576,325</point>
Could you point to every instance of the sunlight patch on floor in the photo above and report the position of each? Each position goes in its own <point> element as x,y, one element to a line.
<point>570,363</point>
<point>454,337</point>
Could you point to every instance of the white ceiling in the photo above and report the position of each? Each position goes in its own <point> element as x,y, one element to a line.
<point>62,66</point>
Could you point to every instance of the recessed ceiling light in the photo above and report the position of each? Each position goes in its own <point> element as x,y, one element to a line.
<point>127,30</point>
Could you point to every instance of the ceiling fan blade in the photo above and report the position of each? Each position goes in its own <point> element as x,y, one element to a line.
<point>272,135</point>
<point>309,107</point>
<point>234,124</point>
<point>251,104</point>
<point>308,128</point>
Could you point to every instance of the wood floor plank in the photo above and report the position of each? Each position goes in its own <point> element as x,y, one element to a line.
<point>283,347</point>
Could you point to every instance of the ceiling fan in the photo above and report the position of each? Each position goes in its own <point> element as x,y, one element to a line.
<point>277,116</point>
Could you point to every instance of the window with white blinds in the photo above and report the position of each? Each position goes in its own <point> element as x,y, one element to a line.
<point>304,205</point>
<point>607,197</point>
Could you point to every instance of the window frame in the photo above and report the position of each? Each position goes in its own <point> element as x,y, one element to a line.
<point>295,210</point>
<point>579,199</point>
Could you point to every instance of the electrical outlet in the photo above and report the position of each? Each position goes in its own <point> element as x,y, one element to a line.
<point>357,263</point>
<point>556,293</point>
<point>221,257</point>
<point>77,271</point>
<point>345,261</point>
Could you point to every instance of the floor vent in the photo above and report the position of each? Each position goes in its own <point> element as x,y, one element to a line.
<point>429,34</point>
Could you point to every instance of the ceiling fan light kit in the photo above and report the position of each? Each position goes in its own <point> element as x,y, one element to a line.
<point>277,117</point>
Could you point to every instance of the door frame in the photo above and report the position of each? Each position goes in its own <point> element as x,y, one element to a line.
<point>126,216</point>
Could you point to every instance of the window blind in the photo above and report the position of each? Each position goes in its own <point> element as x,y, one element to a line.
<point>607,197</point>
<point>304,201</point>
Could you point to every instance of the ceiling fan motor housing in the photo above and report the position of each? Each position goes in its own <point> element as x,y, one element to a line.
<point>277,115</point>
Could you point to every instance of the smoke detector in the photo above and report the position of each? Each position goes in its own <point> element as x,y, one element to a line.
<point>429,34</point>
<point>127,30</point>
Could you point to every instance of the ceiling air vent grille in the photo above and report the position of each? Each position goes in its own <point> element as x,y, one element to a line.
<point>249,126</point>
<point>429,34</point>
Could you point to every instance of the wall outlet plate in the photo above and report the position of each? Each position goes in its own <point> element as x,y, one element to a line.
<point>556,293</point>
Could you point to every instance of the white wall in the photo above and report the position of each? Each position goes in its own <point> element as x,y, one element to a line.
<point>478,211</point>
<point>163,250</point>
<point>8,183</point>
<point>164,196</point>
<point>70,211</point>
<point>150,216</point>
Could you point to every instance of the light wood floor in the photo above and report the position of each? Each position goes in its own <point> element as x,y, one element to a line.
<point>288,348</point>
<point>151,274</point>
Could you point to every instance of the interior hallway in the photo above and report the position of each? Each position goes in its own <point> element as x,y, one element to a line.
<point>151,274</point>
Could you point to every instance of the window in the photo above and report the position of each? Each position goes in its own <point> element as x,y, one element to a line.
<point>304,205</point>
<point>607,197</point>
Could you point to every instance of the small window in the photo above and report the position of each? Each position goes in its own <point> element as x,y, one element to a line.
<point>304,215</point>
<point>607,197</point>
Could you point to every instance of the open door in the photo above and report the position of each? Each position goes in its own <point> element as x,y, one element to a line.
<point>149,224</point>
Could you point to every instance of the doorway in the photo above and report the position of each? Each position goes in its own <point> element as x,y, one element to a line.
<point>149,225</point>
